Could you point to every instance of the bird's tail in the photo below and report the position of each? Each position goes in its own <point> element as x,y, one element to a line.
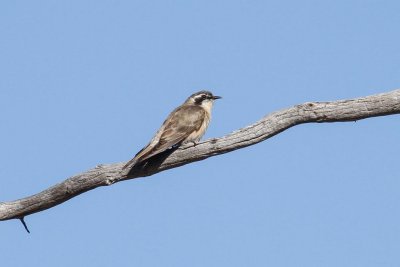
<point>130,163</point>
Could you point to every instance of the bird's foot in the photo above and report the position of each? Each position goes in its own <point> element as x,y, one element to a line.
<point>194,143</point>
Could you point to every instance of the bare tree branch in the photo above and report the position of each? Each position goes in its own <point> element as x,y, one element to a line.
<point>270,125</point>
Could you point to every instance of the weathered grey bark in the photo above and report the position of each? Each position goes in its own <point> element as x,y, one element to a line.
<point>270,125</point>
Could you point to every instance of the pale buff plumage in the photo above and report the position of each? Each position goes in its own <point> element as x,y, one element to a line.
<point>187,123</point>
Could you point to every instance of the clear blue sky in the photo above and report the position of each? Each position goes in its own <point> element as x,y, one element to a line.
<point>89,82</point>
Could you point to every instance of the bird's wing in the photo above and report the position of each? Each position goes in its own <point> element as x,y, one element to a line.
<point>176,128</point>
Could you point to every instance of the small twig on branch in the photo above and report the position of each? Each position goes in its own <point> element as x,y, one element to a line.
<point>272,124</point>
<point>22,219</point>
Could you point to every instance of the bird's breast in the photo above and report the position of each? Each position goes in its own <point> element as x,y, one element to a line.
<point>197,135</point>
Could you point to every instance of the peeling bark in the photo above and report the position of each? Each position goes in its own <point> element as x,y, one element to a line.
<point>272,124</point>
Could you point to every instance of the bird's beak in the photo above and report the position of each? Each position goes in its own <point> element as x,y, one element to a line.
<point>216,97</point>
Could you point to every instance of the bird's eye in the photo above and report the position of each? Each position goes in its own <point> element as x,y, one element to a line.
<point>203,96</point>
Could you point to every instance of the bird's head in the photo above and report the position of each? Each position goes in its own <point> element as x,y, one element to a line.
<point>202,98</point>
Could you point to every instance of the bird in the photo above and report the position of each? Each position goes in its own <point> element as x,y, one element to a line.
<point>186,123</point>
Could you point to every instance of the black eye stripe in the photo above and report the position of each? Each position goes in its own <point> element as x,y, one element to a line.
<point>199,98</point>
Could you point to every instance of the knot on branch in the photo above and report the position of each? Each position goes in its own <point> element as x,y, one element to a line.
<point>108,174</point>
